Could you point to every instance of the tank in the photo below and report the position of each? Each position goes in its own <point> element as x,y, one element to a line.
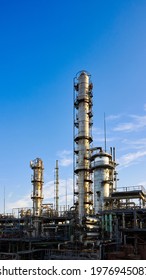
<point>103,167</point>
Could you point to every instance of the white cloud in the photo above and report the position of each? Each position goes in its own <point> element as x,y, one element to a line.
<point>65,187</point>
<point>66,158</point>
<point>138,122</point>
<point>48,191</point>
<point>97,133</point>
<point>143,183</point>
<point>141,120</point>
<point>130,158</point>
<point>113,117</point>
<point>25,201</point>
<point>66,161</point>
<point>124,127</point>
<point>99,137</point>
<point>136,144</point>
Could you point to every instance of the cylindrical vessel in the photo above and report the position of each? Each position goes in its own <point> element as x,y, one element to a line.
<point>37,181</point>
<point>103,167</point>
<point>83,138</point>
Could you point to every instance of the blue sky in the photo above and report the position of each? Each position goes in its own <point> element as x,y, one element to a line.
<point>43,44</point>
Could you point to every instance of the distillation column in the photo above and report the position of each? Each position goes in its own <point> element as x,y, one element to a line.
<point>82,141</point>
<point>103,165</point>
<point>56,187</point>
<point>37,182</point>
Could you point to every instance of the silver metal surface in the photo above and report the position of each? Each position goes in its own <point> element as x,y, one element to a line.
<point>37,182</point>
<point>104,168</point>
<point>83,138</point>
<point>57,187</point>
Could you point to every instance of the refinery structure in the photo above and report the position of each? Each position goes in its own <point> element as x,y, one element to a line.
<point>104,222</point>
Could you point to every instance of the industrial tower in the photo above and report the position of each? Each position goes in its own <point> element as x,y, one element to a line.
<point>103,166</point>
<point>56,187</point>
<point>82,142</point>
<point>37,181</point>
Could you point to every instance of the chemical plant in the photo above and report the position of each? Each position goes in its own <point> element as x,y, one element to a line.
<point>104,222</point>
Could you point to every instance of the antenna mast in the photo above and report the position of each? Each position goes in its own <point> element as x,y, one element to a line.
<point>104,132</point>
<point>4,201</point>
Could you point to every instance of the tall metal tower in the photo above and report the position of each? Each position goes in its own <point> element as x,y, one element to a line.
<point>37,182</point>
<point>82,141</point>
<point>56,187</point>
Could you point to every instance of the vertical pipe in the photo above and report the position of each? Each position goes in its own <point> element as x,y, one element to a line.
<point>4,201</point>
<point>104,132</point>
<point>66,195</point>
<point>114,154</point>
